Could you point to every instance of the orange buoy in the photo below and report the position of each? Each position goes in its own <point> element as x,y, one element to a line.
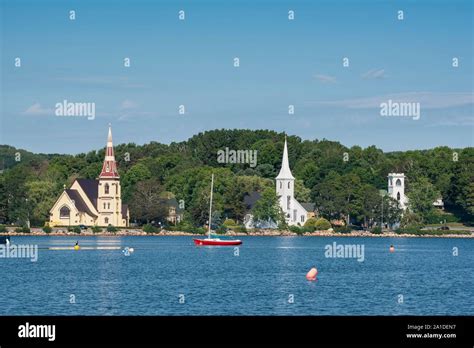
<point>311,275</point>
<point>392,248</point>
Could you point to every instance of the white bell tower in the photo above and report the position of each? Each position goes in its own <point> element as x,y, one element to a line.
<point>396,188</point>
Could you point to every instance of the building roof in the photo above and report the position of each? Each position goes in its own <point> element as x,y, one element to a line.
<point>172,202</point>
<point>250,199</point>
<point>109,168</point>
<point>309,207</point>
<point>285,172</point>
<point>79,202</point>
<point>91,189</point>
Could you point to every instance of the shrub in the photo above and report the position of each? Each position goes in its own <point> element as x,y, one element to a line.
<point>221,229</point>
<point>96,229</point>
<point>240,228</point>
<point>376,230</point>
<point>111,228</point>
<point>311,222</point>
<point>229,222</point>
<point>47,229</point>
<point>342,229</point>
<point>149,228</point>
<point>322,224</point>
<point>295,229</point>
<point>76,229</point>
<point>23,229</point>
<point>3,228</point>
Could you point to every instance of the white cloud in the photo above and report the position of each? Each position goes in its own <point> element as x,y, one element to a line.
<point>37,109</point>
<point>325,78</point>
<point>374,74</point>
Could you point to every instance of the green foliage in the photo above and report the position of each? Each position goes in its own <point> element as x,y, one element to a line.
<point>322,224</point>
<point>343,229</point>
<point>96,229</point>
<point>421,196</point>
<point>222,229</point>
<point>411,220</point>
<point>75,229</point>
<point>3,229</point>
<point>111,228</point>
<point>229,222</point>
<point>268,208</point>
<point>47,229</point>
<point>149,228</point>
<point>341,190</point>
<point>311,222</point>
<point>23,229</point>
<point>376,230</point>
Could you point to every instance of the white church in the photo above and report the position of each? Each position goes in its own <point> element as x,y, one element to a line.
<point>294,212</point>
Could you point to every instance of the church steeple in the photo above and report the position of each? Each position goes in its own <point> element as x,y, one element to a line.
<point>109,168</point>
<point>285,172</point>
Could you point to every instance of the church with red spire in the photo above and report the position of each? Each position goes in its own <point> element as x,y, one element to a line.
<point>92,202</point>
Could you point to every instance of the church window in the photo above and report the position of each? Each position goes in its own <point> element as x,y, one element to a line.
<point>280,184</point>
<point>294,215</point>
<point>398,196</point>
<point>288,201</point>
<point>106,189</point>
<point>116,189</point>
<point>107,167</point>
<point>288,184</point>
<point>106,220</point>
<point>398,182</point>
<point>302,218</point>
<point>108,205</point>
<point>64,212</point>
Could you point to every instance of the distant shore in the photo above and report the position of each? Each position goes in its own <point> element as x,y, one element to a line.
<point>260,233</point>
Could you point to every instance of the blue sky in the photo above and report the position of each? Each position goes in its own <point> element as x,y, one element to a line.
<point>190,63</point>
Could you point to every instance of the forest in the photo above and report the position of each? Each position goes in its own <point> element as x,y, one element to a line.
<point>344,183</point>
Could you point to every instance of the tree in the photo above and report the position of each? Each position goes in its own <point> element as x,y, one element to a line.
<point>267,208</point>
<point>146,204</point>
<point>421,196</point>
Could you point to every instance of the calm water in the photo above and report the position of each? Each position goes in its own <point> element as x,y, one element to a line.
<point>257,282</point>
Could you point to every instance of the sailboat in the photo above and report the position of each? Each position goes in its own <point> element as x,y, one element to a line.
<point>214,240</point>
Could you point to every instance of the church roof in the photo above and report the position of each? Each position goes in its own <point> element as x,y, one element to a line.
<point>109,168</point>
<point>308,206</point>
<point>79,202</point>
<point>285,172</point>
<point>250,199</point>
<point>91,189</point>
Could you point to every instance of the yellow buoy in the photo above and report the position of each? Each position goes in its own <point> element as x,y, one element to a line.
<point>76,247</point>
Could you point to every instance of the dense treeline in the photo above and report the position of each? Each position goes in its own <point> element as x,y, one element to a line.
<point>343,182</point>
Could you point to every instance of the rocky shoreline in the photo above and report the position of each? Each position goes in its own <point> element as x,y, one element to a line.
<point>259,233</point>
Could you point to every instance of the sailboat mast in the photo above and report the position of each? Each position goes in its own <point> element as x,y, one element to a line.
<point>210,205</point>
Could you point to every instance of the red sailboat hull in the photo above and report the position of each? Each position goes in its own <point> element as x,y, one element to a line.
<point>216,242</point>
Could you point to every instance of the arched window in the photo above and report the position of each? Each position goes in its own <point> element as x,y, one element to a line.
<point>398,196</point>
<point>280,184</point>
<point>64,212</point>
<point>398,182</point>
<point>106,188</point>
<point>104,205</point>
<point>108,205</point>
<point>288,184</point>
<point>106,220</point>
<point>116,189</point>
<point>288,200</point>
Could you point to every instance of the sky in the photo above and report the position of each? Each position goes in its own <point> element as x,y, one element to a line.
<point>190,62</point>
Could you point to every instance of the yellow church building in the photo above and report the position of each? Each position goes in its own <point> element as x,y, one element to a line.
<point>93,202</point>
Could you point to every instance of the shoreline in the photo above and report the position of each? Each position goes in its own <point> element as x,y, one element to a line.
<point>37,232</point>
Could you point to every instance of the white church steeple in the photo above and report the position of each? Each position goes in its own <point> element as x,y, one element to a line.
<point>285,172</point>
